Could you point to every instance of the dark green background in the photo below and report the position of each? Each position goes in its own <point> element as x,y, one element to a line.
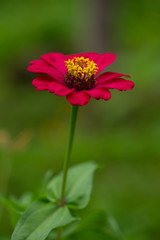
<point>122,135</point>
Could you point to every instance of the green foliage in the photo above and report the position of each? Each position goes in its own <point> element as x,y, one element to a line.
<point>16,207</point>
<point>113,227</point>
<point>11,204</point>
<point>78,188</point>
<point>41,189</point>
<point>95,226</point>
<point>40,218</point>
<point>44,215</point>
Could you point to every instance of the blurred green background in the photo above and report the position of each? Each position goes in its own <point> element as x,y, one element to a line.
<point>122,135</point>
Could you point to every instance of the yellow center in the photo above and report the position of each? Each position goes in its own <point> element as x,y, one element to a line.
<point>81,67</point>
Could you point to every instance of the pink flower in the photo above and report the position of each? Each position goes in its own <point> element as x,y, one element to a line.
<point>77,76</point>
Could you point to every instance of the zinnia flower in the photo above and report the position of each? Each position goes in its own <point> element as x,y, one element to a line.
<point>77,76</point>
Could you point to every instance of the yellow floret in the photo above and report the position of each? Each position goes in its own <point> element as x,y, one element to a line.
<point>81,66</point>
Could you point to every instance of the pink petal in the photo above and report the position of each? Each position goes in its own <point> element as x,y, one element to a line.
<point>59,89</point>
<point>118,83</point>
<point>42,82</point>
<point>56,60</point>
<point>99,93</point>
<point>108,76</point>
<point>103,60</point>
<point>39,66</point>
<point>78,98</point>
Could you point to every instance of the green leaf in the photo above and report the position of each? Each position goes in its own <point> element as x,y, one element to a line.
<point>114,227</point>
<point>78,188</point>
<point>95,226</point>
<point>40,218</point>
<point>95,220</point>
<point>11,204</point>
<point>40,192</point>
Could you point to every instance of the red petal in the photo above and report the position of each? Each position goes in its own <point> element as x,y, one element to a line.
<point>42,82</point>
<point>103,60</point>
<point>99,93</point>
<point>118,83</point>
<point>78,98</point>
<point>108,76</point>
<point>59,89</point>
<point>41,88</point>
<point>39,66</point>
<point>56,60</point>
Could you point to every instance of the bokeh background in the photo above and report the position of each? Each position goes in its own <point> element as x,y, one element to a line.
<point>122,135</point>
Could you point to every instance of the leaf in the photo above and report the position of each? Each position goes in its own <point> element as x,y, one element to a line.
<point>15,207</point>
<point>40,192</point>
<point>95,220</point>
<point>78,187</point>
<point>40,218</point>
<point>114,227</point>
<point>94,226</point>
<point>11,204</point>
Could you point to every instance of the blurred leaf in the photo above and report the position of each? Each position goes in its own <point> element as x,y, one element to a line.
<point>19,205</point>
<point>95,227</point>
<point>41,190</point>
<point>114,227</point>
<point>11,204</point>
<point>25,199</point>
<point>95,220</point>
<point>40,218</point>
<point>79,185</point>
<point>16,207</point>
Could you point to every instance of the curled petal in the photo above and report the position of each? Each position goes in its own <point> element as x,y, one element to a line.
<point>108,76</point>
<point>99,93</point>
<point>118,83</point>
<point>39,66</point>
<point>42,82</point>
<point>78,98</point>
<point>56,60</point>
<point>59,89</point>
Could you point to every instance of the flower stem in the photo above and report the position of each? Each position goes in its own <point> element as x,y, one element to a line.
<point>69,148</point>
<point>59,233</point>
<point>66,160</point>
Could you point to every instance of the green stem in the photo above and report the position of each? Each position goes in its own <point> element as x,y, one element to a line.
<point>66,160</point>
<point>69,148</point>
<point>59,233</point>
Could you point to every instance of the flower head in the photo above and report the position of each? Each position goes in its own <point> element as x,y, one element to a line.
<point>77,76</point>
